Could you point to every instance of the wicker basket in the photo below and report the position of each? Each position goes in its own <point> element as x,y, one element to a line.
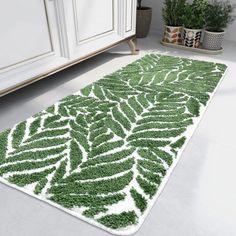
<point>144,18</point>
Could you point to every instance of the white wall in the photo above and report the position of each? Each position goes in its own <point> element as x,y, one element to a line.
<point>231,31</point>
<point>157,22</point>
<point>156,5</point>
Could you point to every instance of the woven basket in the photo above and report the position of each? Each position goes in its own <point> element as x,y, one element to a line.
<point>144,18</point>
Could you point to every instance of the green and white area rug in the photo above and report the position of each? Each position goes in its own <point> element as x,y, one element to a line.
<point>105,153</point>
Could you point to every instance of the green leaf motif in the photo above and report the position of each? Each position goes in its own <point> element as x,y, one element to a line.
<point>105,151</point>
<point>193,106</point>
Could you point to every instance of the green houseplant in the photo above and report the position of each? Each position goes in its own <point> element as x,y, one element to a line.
<point>194,20</point>
<point>219,15</point>
<point>144,18</point>
<point>172,13</point>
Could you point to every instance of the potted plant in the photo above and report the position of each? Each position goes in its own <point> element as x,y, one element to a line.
<point>194,20</point>
<point>219,15</point>
<point>144,18</point>
<point>172,13</point>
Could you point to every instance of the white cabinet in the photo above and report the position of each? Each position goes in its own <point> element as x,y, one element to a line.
<point>18,30</point>
<point>91,25</point>
<point>29,43</point>
<point>94,24</point>
<point>40,36</point>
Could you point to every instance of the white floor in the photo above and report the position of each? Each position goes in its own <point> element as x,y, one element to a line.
<point>200,197</point>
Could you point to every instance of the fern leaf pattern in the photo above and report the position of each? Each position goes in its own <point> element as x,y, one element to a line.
<point>104,152</point>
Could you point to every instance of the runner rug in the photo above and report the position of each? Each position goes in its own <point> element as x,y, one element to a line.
<point>105,153</point>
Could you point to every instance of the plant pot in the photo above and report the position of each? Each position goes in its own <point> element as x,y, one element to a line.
<point>192,37</point>
<point>144,18</point>
<point>173,34</point>
<point>213,40</point>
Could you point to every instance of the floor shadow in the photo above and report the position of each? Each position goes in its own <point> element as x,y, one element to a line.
<point>52,82</point>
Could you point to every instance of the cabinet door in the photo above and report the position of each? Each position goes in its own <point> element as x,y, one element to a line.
<point>91,25</point>
<point>129,17</point>
<point>29,44</point>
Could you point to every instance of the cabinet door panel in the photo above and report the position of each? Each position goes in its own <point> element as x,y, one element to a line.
<point>91,25</point>
<point>128,25</point>
<point>29,41</point>
<point>25,32</point>
<point>130,17</point>
<point>94,18</point>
